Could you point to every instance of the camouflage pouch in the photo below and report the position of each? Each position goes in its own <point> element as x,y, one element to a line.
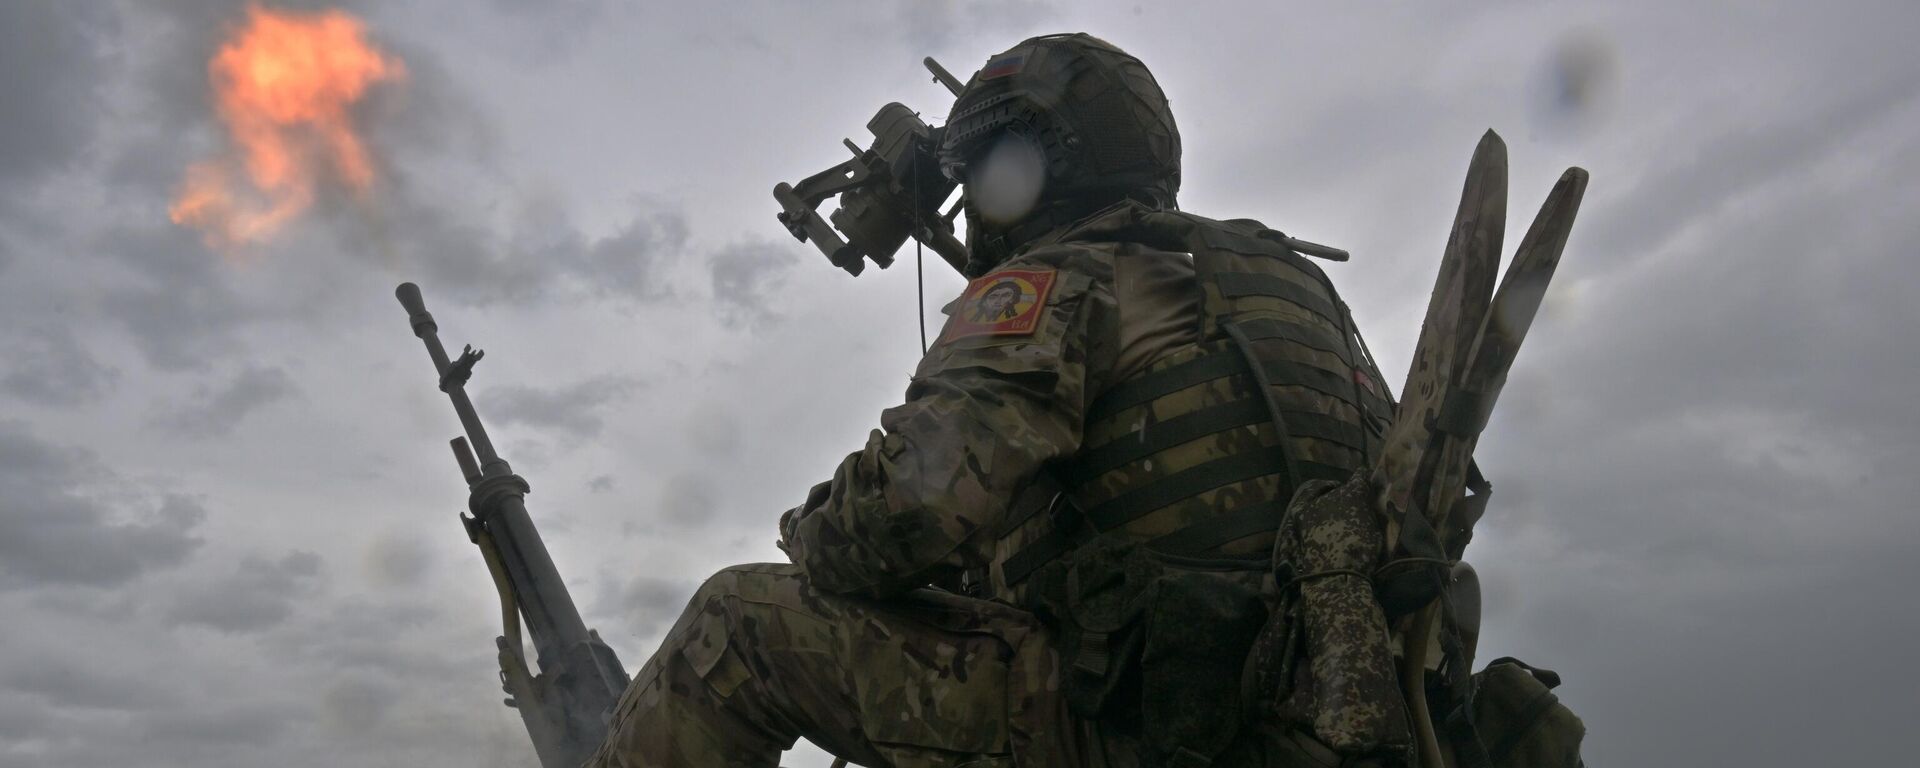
<point>1324,663</point>
<point>1521,723</point>
<point>1153,644</point>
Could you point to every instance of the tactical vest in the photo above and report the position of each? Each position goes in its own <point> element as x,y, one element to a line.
<point>1199,454</point>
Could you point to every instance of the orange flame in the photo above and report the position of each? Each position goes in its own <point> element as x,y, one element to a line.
<point>284,83</point>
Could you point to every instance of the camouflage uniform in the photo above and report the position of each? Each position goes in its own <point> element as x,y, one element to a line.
<point>850,646</point>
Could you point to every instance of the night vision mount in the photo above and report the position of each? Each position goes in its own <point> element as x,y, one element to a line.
<point>888,192</point>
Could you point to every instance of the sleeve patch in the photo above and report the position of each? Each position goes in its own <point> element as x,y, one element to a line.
<point>1006,303</point>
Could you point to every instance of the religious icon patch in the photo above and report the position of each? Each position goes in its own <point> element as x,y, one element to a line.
<point>1006,303</point>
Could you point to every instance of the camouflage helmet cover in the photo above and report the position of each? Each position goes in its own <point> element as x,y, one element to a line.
<point>1093,109</point>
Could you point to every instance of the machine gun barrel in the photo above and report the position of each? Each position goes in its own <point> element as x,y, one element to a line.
<point>565,706</point>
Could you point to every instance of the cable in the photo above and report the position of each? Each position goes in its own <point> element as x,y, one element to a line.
<point>919,264</point>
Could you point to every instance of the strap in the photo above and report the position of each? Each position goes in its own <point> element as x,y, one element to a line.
<point>1284,373</point>
<point>1039,495</point>
<point>1528,720</point>
<point>1323,427</point>
<point>1311,337</point>
<point>1188,483</point>
<point>1166,381</point>
<point>1233,526</point>
<point>1155,438</point>
<point>1234,285</point>
<point>1464,413</point>
<point>1056,541</point>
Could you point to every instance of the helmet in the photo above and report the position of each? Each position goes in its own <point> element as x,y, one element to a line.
<point>1097,117</point>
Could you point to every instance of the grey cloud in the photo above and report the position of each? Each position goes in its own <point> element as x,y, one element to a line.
<point>66,519</point>
<point>601,484</point>
<point>260,594</point>
<point>689,499</point>
<point>50,366</point>
<point>573,410</point>
<point>68,684</point>
<point>1713,471</point>
<point>54,62</point>
<point>215,412</point>
<point>937,24</point>
<point>399,560</point>
<point>641,606</point>
<point>1709,176</point>
<point>177,306</point>
<point>746,278</point>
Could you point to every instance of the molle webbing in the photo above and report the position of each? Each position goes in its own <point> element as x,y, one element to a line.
<point>1199,454</point>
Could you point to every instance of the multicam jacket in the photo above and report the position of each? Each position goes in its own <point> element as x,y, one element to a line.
<point>1159,374</point>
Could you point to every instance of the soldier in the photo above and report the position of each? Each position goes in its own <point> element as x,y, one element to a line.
<point>1121,384</point>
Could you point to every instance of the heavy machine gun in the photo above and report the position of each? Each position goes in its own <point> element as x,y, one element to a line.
<point>566,705</point>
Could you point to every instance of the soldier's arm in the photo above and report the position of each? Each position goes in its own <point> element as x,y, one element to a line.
<point>929,492</point>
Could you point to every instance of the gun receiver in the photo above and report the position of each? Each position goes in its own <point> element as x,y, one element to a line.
<point>566,705</point>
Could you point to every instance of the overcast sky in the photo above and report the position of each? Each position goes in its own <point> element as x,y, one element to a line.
<point>227,515</point>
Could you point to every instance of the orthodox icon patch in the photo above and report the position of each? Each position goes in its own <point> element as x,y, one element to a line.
<point>1006,303</point>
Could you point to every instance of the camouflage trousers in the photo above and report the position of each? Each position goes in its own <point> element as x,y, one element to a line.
<point>760,659</point>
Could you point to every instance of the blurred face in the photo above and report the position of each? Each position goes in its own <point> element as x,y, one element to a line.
<point>1005,182</point>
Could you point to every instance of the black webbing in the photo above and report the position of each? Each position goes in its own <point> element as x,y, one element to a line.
<point>1166,381</point>
<point>1155,438</point>
<point>1234,285</point>
<point>1324,427</point>
<point>1066,533</point>
<point>1039,494</point>
<point>1313,470</point>
<point>1187,484</point>
<point>1271,328</point>
<point>1199,538</point>
<point>1329,383</point>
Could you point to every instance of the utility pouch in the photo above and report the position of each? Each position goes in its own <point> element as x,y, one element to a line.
<point>1324,661</point>
<point>1152,643</point>
<point>1521,723</point>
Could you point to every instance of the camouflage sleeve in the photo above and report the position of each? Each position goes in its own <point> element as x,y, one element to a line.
<point>1002,392</point>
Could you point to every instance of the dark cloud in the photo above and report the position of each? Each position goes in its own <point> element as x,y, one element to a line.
<point>48,365</point>
<point>216,411</point>
<point>572,411</point>
<point>601,484</point>
<point>259,594</point>
<point>67,519</point>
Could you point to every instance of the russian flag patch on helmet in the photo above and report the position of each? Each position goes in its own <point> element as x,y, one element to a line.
<point>1003,65</point>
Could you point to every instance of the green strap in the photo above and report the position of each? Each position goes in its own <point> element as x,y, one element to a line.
<point>1163,382</point>
<point>1234,285</point>
<point>1323,427</point>
<point>1329,383</point>
<point>1155,438</point>
<point>1039,495</point>
<point>1187,484</point>
<point>1314,470</point>
<point>1201,537</point>
<point>1311,337</point>
<point>1065,534</point>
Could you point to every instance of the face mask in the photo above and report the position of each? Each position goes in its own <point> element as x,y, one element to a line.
<point>1005,183</point>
